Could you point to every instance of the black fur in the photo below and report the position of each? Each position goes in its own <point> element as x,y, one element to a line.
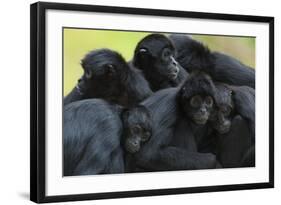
<point>235,148</point>
<point>241,101</point>
<point>244,104</point>
<point>197,83</point>
<point>95,133</point>
<point>193,55</point>
<point>133,140</point>
<point>91,138</point>
<point>108,76</point>
<point>98,136</point>
<point>148,58</point>
<point>234,140</point>
<point>249,158</point>
<point>173,145</point>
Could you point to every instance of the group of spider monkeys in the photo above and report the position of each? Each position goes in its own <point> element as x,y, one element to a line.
<point>175,106</point>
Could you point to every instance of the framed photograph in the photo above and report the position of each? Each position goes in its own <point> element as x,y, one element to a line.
<point>129,102</point>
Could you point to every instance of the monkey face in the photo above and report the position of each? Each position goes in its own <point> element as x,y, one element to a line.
<point>137,125</point>
<point>155,55</point>
<point>104,65</point>
<point>221,119</point>
<point>197,97</point>
<point>199,108</point>
<point>105,73</point>
<point>223,112</point>
<point>136,135</point>
<point>166,64</point>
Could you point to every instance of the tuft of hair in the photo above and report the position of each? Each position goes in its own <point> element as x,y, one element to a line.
<point>137,115</point>
<point>223,95</point>
<point>201,57</point>
<point>99,56</point>
<point>198,83</point>
<point>192,54</point>
<point>153,43</point>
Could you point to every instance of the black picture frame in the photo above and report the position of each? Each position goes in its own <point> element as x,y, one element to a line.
<point>38,103</point>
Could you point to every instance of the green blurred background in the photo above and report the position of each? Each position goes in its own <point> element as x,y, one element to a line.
<point>78,42</point>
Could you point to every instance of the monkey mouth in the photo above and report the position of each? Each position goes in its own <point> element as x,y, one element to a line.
<point>200,120</point>
<point>131,149</point>
<point>172,76</point>
<point>223,129</point>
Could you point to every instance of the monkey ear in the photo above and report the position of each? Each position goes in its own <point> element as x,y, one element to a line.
<point>143,53</point>
<point>140,57</point>
<point>143,50</point>
<point>88,74</point>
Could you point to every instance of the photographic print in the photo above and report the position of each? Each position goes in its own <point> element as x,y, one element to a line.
<point>129,102</point>
<point>144,102</point>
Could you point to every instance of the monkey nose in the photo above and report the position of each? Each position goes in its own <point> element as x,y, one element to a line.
<point>174,70</point>
<point>174,62</point>
<point>203,110</point>
<point>135,143</point>
<point>226,123</point>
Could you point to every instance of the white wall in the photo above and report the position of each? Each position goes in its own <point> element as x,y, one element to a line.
<point>14,102</point>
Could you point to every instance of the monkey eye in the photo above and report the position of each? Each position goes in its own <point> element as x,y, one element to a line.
<point>145,136</point>
<point>226,111</point>
<point>196,101</point>
<point>136,129</point>
<point>209,101</point>
<point>166,53</point>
